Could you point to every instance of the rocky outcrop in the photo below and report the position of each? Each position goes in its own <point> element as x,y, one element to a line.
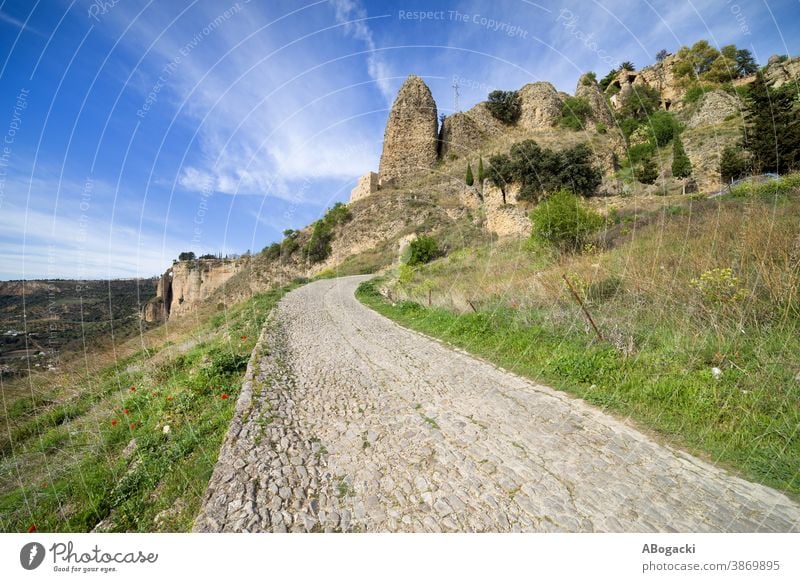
<point>460,136</point>
<point>182,287</point>
<point>485,121</point>
<point>779,72</point>
<point>508,221</point>
<point>410,142</point>
<point>661,76</point>
<point>367,184</point>
<point>589,90</point>
<point>541,106</point>
<point>715,107</point>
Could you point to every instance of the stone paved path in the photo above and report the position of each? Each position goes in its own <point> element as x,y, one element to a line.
<point>351,423</point>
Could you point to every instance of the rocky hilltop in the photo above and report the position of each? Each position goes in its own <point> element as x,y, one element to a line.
<point>420,185</point>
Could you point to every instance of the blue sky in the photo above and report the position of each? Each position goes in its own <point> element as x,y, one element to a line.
<point>134,129</point>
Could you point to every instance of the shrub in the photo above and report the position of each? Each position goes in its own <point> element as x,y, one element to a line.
<point>648,172</point>
<point>574,113</point>
<point>696,91</point>
<point>318,247</point>
<point>272,252</point>
<point>681,165</point>
<point>186,256</point>
<point>719,287</point>
<point>422,250</point>
<point>505,106</point>
<point>662,127</point>
<point>732,164</point>
<point>563,221</point>
<point>600,127</point>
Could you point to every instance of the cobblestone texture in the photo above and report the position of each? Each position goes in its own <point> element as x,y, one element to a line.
<point>348,422</point>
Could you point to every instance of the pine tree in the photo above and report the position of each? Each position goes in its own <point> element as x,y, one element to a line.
<point>772,128</point>
<point>470,180</point>
<point>732,165</point>
<point>681,166</point>
<point>648,173</point>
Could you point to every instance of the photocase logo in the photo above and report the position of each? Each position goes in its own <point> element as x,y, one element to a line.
<point>31,555</point>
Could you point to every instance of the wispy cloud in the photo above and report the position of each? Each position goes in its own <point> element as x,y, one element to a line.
<point>5,17</point>
<point>352,14</point>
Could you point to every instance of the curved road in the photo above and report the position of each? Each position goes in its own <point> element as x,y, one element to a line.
<point>352,423</point>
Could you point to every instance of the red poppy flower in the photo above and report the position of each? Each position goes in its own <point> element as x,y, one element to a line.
<point>169,397</point>
<point>133,388</point>
<point>32,528</point>
<point>133,425</point>
<point>114,422</point>
<point>244,337</point>
<point>155,393</point>
<point>125,411</point>
<point>224,396</point>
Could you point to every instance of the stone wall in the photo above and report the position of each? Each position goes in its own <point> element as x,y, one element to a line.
<point>367,184</point>
<point>715,107</point>
<point>410,142</point>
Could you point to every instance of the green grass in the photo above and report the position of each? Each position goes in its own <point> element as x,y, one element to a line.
<point>747,420</point>
<point>66,472</point>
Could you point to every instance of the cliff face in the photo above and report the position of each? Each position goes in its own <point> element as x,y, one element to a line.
<point>185,285</point>
<point>410,142</point>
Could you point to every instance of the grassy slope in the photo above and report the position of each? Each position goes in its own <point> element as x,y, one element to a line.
<point>63,467</point>
<point>663,335</point>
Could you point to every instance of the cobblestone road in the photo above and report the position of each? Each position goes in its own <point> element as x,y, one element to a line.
<point>350,423</point>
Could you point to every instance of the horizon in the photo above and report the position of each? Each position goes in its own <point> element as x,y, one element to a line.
<point>221,126</point>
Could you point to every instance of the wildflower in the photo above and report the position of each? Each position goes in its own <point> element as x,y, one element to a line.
<point>155,393</point>
<point>244,337</point>
<point>126,411</point>
<point>169,397</point>
<point>114,422</point>
<point>716,373</point>
<point>133,388</point>
<point>166,429</point>
<point>224,396</point>
<point>133,425</point>
<point>32,528</point>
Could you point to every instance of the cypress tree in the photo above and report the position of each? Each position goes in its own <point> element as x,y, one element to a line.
<point>469,179</point>
<point>681,166</point>
<point>772,127</point>
<point>648,173</point>
<point>481,172</point>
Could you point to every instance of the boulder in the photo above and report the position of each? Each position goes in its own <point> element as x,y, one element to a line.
<point>541,106</point>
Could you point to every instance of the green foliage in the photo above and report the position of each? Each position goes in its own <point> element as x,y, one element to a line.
<point>600,127</point>
<point>318,247</point>
<point>719,287</point>
<point>648,171</point>
<point>589,79</point>
<point>661,55</point>
<point>469,179</point>
<point>540,171</point>
<point>423,249</point>
<point>640,152</point>
<point>501,172</point>
<point>732,164</point>
<point>186,256</point>
<point>681,165</point>
<point>505,106</point>
<point>627,66</point>
<point>696,91</point>
<point>405,274</point>
<point>694,62</point>
<point>574,113</point>
<point>481,171</point>
<point>772,127</point>
<point>562,221</point>
<point>640,103</point>
<point>662,126</point>
<point>272,252</point>
<point>606,81</point>
<point>703,62</point>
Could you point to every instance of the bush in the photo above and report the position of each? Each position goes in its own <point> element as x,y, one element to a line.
<point>272,252</point>
<point>662,127</point>
<point>574,113</point>
<point>600,127</point>
<point>422,250</point>
<point>648,171</point>
<point>318,247</point>
<point>505,106</point>
<point>696,91</point>
<point>563,221</point>
<point>681,165</point>
<point>186,256</point>
<point>732,164</point>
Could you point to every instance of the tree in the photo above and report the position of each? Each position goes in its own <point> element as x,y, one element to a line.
<point>606,81</point>
<point>648,172</point>
<point>574,113</point>
<point>563,221</point>
<point>695,61</point>
<point>772,127</point>
<point>681,165</point>
<point>422,249</point>
<point>640,103</point>
<point>186,256</point>
<point>661,55</point>
<point>501,172</point>
<point>627,66</point>
<point>746,65</point>
<point>481,172</point>
<point>732,164</point>
<point>589,79</point>
<point>469,179</point>
<point>505,106</point>
<point>661,126</point>
<point>577,171</point>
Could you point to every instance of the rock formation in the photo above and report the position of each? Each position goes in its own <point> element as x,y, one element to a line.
<point>367,184</point>
<point>460,135</point>
<point>779,72</point>
<point>589,89</point>
<point>541,105</point>
<point>185,285</point>
<point>485,121</point>
<point>715,107</point>
<point>410,143</point>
